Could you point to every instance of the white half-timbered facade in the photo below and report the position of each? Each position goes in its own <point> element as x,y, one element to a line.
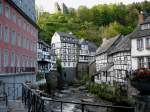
<point>43,57</point>
<point>52,60</point>
<point>104,64</point>
<point>66,48</point>
<point>140,42</point>
<point>87,52</point>
<point>121,58</point>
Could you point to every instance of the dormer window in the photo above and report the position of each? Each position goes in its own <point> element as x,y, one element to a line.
<point>145,26</point>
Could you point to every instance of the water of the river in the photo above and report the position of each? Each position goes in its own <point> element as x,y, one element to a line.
<point>76,94</point>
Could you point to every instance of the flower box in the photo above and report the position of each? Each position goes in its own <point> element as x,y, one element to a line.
<point>140,79</point>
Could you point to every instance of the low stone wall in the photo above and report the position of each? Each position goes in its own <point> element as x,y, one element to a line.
<point>13,83</point>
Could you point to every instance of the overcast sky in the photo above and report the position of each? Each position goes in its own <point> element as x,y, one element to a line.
<point>48,5</point>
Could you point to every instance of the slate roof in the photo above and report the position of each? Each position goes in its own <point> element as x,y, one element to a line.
<point>92,47</point>
<point>44,43</point>
<point>68,38</point>
<point>23,14</point>
<point>83,42</point>
<point>137,33</point>
<point>123,45</point>
<point>106,45</point>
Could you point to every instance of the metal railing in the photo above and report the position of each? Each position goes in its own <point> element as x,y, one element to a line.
<point>3,94</point>
<point>36,103</point>
<point>13,91</point>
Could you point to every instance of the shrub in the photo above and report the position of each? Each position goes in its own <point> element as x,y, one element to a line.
<point>40,76</point>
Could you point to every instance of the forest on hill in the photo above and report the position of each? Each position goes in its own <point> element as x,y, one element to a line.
<point>100,21</point>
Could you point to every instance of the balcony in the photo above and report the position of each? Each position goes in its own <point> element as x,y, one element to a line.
<point>19,69</point>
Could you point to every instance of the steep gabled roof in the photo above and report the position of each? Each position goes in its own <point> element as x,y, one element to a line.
<point>138,32</point>
<point>68,38</point>
<point>63,34</point>
<point>123,45</point>
<point>105,46</point>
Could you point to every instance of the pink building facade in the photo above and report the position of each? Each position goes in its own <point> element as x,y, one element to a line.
<point>18,40</point>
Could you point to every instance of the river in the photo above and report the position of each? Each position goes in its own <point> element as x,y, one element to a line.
<point>76,94</point>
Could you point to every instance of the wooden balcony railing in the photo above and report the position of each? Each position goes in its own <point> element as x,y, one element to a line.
<point>18,69</point>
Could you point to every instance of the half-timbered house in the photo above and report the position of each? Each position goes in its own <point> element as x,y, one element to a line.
<point>66,48</point>
<point>87,52</point>
<point>103,65</point>
<point>121,57</point>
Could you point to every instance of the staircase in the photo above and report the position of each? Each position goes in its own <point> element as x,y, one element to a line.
<point>13,106</point>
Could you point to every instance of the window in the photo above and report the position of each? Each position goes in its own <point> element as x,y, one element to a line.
<point>147,43</point>
<point>6,34</point>
<point>0,57</point>
<point>5,57</point>
<point>139,44</point>
<point>145,26</point>
<point>13,37</point>
<point>7,11</point>
<point>148,62</point>
<point>18,60</point>
<point>1,7</point>
<point>27,44</point>
<point>12,59</point>
<point>0,31</point>
<point>14,17</point>
<point>141,62</point>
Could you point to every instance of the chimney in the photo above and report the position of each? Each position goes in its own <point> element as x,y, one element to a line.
<point>70,33</point>
<point>141,17</point>
<point>104,39</point>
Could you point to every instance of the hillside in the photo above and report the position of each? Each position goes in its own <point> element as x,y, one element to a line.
<point>101,21</point>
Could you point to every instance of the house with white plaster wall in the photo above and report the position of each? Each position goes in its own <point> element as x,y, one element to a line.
<point>140,44</point>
